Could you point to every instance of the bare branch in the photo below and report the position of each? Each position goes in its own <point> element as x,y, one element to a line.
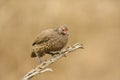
<point>43,66</point>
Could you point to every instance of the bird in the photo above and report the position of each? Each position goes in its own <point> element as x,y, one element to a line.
<point>50,40</point>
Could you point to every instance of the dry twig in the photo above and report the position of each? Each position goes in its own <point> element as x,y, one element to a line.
<point>43,66</point>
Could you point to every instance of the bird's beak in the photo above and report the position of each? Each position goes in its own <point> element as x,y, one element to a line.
<point>67,33</point>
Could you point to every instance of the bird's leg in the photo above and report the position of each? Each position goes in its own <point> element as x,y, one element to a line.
<point>53,53</point>
<point>39,59</point>
<point>59,52</point>
<point>36,52</point>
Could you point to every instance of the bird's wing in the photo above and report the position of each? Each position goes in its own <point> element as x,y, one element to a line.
<point>44,36</point>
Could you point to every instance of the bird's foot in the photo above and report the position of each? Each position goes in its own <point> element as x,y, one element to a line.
<point>54,53</point>
<point>65,55</point>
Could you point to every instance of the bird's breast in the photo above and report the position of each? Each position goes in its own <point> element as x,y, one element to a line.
<point>57,43</point>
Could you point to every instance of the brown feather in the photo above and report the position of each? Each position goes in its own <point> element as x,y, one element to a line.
<point>49,40</point>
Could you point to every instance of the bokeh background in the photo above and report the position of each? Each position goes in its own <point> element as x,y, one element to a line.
<point>95,23</point>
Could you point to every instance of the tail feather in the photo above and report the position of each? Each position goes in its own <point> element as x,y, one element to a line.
<point>33,55</point>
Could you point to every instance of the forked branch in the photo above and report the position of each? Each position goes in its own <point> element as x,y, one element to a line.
<point>43,66</point>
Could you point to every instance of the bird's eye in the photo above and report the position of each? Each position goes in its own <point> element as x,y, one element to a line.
<point>63,30</point>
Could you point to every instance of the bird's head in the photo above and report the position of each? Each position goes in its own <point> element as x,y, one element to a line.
<point>62,29</point>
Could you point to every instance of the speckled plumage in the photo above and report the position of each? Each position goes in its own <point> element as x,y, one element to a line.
<point>50,40</point>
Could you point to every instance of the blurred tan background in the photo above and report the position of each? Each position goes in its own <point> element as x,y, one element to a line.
<point>95,23</point>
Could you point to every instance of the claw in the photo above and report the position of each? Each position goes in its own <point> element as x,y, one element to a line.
<point>65,55</point>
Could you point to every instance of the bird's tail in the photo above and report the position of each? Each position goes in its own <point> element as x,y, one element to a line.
<point>33,54</point>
